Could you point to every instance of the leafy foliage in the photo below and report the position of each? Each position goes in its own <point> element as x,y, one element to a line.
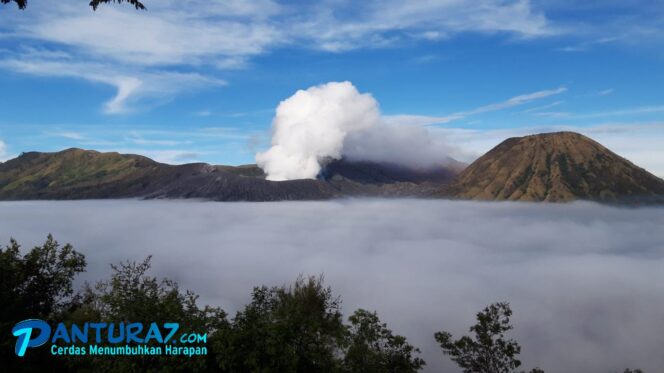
<point>300,328</point>
<point>131,295</point>
<point>295,329</point>
<point>20,3</point>
<point>137,4</point>
<point>94,3</point>
<point>35,285</point>
<point>490,351</point>
<point>373,347</point>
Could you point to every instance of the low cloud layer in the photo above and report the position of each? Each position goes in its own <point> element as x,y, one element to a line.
<point>335,120</point>
<point>584,280</point>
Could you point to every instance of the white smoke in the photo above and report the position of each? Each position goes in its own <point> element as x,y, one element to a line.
<point>410,146</point>
<point>312,125</point>
<point>335,120</point>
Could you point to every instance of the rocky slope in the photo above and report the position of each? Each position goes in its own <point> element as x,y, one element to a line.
<point>554,167</point>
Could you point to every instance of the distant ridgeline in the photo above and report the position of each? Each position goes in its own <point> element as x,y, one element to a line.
<point>551,167</point>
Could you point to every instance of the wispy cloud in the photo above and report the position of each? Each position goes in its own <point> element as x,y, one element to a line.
<point>605,92</point>
<point>588,44</point>
<point>203,113</point>
<point>424,120</point>
<point>135,137</point>
<point>383,23</point>
<point>418,120</point>
<point>68,135</point>
<point>554,114</point>
<point>154,55</point>
<point>619,112</point>
<point>517,100</point>
<point>134,88</point>
<point>599,93</point>
<point>543,107</point>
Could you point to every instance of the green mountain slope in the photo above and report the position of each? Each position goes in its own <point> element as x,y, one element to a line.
<point>85,174</point>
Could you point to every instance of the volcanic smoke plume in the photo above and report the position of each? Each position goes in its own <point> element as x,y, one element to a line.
<point>312,125</point>
<point>334,120</point>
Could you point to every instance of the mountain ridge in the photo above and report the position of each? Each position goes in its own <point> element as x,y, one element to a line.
<point>87,174</point>
<point>549,167</point>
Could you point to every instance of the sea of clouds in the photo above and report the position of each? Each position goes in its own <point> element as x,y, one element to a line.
<point>586,282</point>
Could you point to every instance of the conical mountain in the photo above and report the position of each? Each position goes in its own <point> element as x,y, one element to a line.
<point>555,167</point>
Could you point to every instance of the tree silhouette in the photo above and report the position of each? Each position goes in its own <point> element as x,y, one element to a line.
<point>94,3</point>
<point>372,347</point>
<point>37,284</point>
<point>490,351</point>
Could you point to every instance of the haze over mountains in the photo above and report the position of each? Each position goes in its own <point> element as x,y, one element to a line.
<point>552,167</point>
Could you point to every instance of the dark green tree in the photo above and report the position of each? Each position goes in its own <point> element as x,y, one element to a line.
<point>37,285</point>
<point>373,347</point>
<point>489,351</point>
<point>297,328</point>
<point>131,295</point>
<point>137,4</point>
<point>300,328</point>
<point>94,3</point>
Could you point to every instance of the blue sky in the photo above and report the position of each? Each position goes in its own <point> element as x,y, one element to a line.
<point>199,80</point>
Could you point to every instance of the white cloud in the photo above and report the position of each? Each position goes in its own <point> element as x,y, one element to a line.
<point>628,111</point>
<point>639,110</point>
<point>424,120</point>
<point>161,37</point>
<point>203,113</point>
<point>553,114</point>
<point>588,44</point>
<point>69,135</point>
<point>543,107</point>
<point>419,120</point>
<point>517,100</point>
<point>133,87</point>
<point>431,20</point>
<point>142,53</point>
<point>410,146</point>
<point>605,92</point>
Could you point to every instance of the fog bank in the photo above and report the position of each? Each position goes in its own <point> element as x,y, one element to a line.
<point>586,282</point>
